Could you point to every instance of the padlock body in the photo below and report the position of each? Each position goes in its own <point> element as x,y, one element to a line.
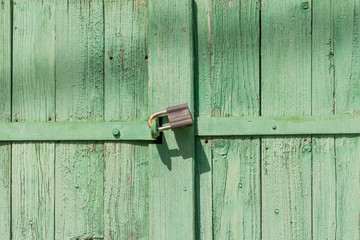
<point>179,116</point>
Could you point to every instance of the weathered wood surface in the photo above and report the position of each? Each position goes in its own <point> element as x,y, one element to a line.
<point>33,99</point>
<point>286,91</point>
<point>126,181</point>
<point>79,166</point>
<point>347,101</point>
<point>120,60</point>
<point>323,148</point>
<point>5,116</point>
<point>228,170</point>
<point>171,164</point>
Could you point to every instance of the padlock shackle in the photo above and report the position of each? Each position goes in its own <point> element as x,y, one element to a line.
<point>155,115</point>
<point>161,129</point>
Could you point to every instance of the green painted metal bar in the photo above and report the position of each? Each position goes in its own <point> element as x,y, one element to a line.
<point>205,126</point>
<point>272,126</point>
<point>71,131</point>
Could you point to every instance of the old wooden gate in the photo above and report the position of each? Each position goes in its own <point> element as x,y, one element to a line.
<point>73,71</point>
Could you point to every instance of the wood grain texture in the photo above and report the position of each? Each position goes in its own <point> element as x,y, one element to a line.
<point>5,61</point>
<point>236,188</point>
<point>203,186</point>
<point>126,181</point>
<point>285,91</point>
<point>228,170</point>
<point>202,78</point>
<point>5,115</point>
<point>33,191</point>
<point>323,152</point>
<point>347,101</point>
<point>33,100</point>
<point>171,166</point>
<point>79,166</point>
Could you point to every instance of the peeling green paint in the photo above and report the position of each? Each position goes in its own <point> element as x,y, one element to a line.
<point>244,67</point>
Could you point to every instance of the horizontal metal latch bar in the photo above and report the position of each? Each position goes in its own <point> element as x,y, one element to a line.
<point>205,126</point>
<point>74,131</point>
<point>272,126</point>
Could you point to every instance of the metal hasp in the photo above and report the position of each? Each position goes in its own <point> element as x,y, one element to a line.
<point>179,117</point>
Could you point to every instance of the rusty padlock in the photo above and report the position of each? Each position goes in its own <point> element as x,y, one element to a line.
<point>179,116</point>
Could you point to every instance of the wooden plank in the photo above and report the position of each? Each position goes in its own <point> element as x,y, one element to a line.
<point>203,173</point>
<point>33,100</point>
<point>79,167</point>
<point>5,116</point>
<point>202,70</point>
<point>236,193</point>
<point>286,91</point>
<point>75,131</point>
<point>323,152</point>
<point>235,92</point>
<point>228,171</point>
<point>126,181</point>
<point>347,101</point>
<point>171,79</point>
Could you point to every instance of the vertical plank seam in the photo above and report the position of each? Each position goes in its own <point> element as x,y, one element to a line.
<point>336,204</point>
<point>196,60</point>
<point>11,226</point>
<point>192,105</point>
<point>260,139</point>
<point>260,77</point>
<point>11,56</point>
<point>212,190</point>
<point>55,143</point>
<point>196,181</point>
<point>311,113</point>
<point>336,225</point>
<point>104,118</point>
<point>55,82</point>
<point>11,108</point>
<point>311,61</point>
<point>312,185</point>
<point>104,70</point>
<point>332,15</point>
<point>54,218</point>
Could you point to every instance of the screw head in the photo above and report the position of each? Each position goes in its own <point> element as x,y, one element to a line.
<point>276,211</point>
<point>274,127</point>
<point>116,132</point>
<point>305,5</point>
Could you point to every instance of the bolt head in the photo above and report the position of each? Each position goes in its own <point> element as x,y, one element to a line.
<point>116,132</point>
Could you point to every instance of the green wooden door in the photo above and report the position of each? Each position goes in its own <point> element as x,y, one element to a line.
<point>109,61</point>
<point>96,61</point>
<point>277,58</point>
